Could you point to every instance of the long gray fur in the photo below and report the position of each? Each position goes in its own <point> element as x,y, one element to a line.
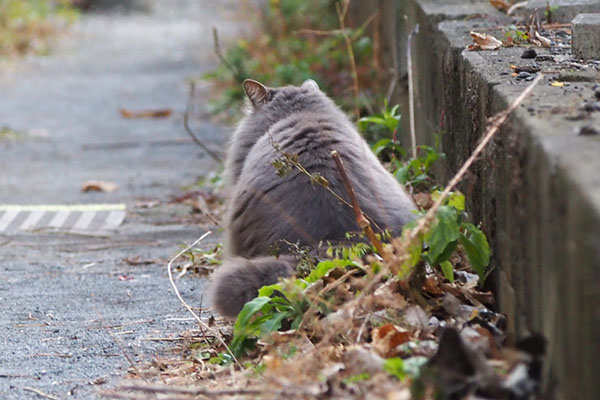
<point>264,208</point>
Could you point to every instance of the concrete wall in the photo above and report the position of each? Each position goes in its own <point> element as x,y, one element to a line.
<point>536,190</point>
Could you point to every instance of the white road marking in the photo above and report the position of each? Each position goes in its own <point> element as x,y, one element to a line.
<point>90,217</point>
<point>84,221</point>
<point>32,219</point>
<point>59,219</point>
<point>7,218</point>
<point>113,220</point>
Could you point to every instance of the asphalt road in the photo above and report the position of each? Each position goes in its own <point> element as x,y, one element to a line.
<point>73,310</point>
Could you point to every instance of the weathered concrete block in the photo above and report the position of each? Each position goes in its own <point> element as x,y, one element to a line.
<point>537,194</point>
<point>563,11</point>
<point>586,36</point>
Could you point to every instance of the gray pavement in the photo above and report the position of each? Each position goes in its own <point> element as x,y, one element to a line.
<point>72,308</point>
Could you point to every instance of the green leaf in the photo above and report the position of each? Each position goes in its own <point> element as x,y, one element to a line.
<point>391,123</point>
<point>447,270</point>
<point>477,249</point>
<point>395,366</point>
<point>402,174</point>
<point>443,232</point>
<point>249,310</point>
<point>324,267</point>
<point>444,255</point>
<point>380,146</point>
<point>457,200</point>
<point>267,291</point>
<point>274,323</point>
<point>373,120</point>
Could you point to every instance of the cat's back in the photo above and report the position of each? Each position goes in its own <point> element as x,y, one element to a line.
<point>276,195</point>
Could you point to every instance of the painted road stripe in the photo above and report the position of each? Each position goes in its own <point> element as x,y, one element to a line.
<point>113,220</point>
<point>32,219</point>
<point>76,217</point>
<point>7,218</point>
<point>59,219</point>
<point>84,221</point>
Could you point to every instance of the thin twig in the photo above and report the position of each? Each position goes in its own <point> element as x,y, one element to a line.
<point>426,220</point>
<point>363,222</point>
<point>315,178</point>
<point>40,393</point>
<point>496,123</point>
<point>202,391</point>
<point>317,32</point>
<point>119,344</point>
<point>362,328</point>
<point>341,15</point>
<point>326,289</point>
<point>411,91</point>
<point>186,125</point>
<point>202,323</point>
<point>220,54</point>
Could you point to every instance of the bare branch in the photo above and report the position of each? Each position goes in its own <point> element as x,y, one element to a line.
<point>363,222</point>
<point>202,323</point>
<point>220,54</point>
<point>40,393</point>
<point>411,91</point>
<point>186,125</point>
<point>496,123</point>
<point>341,15</point>
<point>187,391</point>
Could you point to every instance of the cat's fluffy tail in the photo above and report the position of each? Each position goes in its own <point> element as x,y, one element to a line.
<point>238,280</point>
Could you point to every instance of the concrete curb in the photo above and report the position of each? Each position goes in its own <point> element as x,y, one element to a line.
<point>536,190</point>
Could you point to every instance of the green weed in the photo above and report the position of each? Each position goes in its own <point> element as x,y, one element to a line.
<point>27,25</point>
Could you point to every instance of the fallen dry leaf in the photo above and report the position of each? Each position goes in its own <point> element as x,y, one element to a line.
<point>500,4</point>
<point>545,42</point>
<point>484,41</point>
<point>99,186</point>
<point>516,6</point>
<point>387,338</point>
<point>137,260</point>
<point>161,113</point>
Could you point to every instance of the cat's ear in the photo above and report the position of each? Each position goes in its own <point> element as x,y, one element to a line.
<point>310,84</point>
<point>256,92</point>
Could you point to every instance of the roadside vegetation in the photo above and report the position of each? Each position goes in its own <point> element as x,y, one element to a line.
<point>30,26</point>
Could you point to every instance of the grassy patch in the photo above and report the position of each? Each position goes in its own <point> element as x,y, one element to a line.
<point>31,25</point>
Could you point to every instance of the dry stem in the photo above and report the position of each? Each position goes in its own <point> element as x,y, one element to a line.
<point>186,125</point>
<point>425,221</point>
<point>161,389</point>
<point>496,122</point>
<point>202,323</point>
<point>411,91</point>
<point>363,222</point>
<point>341,15</point>
<point>220,54</point>
<point>40,393</point>
<point>314,177</point>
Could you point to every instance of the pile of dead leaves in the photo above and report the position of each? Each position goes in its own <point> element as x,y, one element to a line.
<point>434,338</point>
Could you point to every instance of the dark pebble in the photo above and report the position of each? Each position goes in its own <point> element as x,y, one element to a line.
<point>588,130</point>
<point>591,107</point>
<point>597,94</point>
<point>523,75</point>
<point>529,53</point>
<point>544,57</point>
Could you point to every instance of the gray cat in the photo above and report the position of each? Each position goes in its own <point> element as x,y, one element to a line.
<point>264,208</point>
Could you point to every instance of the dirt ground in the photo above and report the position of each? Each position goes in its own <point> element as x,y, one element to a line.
<point>79,310</point>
